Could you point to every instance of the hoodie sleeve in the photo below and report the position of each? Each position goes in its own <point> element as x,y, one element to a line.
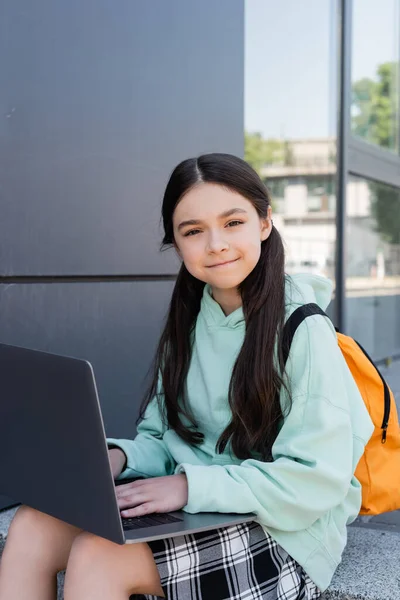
<point>313,454</point>
<point>147,455</point>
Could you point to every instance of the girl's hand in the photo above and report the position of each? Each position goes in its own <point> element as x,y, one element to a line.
<point>155,495</point>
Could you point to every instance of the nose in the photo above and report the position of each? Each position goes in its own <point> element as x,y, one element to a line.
<point>216,243</point>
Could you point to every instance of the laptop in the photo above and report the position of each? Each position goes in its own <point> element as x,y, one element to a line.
<point>54,454</point>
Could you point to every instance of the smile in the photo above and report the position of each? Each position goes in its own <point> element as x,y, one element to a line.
<point>224,264</point>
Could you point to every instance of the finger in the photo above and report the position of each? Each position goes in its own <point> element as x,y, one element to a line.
<point>132,501</point>
<point>123,490</point>
<point>137,497</point>
<point>126,493</point>
<point>139,511</point>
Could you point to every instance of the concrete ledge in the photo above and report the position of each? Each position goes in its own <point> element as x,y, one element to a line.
<point>370,569</point>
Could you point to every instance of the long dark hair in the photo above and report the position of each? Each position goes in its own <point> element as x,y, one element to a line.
<point>256,377</point>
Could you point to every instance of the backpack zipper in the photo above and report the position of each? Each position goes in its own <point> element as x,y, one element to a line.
<point>386,396</point>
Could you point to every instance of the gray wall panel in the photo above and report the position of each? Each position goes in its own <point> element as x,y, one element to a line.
<point>113,325</point>
<point>99,99</point>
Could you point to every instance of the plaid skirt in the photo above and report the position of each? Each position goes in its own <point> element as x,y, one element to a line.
<point>241,562</point>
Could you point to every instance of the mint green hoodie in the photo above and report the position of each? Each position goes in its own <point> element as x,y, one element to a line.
<point>304,498</point>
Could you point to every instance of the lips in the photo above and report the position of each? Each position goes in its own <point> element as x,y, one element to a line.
<point>228,262</point>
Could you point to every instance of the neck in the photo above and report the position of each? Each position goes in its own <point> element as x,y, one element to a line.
<point>229,300</point>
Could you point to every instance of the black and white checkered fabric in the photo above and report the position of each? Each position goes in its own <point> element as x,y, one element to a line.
<point>232,563</point>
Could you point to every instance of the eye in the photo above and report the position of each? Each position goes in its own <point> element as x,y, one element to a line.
<point>234,223</point>
<point>191,232</point>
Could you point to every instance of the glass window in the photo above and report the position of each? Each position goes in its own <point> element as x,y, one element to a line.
<point>290,122</point>
<point>373,266</point>
<point>321,193</point>
<point>375,72</point>
<point>276,186</point>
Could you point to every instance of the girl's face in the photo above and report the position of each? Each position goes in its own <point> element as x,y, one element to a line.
<point>218,234</point>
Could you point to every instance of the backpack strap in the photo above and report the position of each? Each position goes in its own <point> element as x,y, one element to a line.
<point>290,328</point>
<point>295,319</point>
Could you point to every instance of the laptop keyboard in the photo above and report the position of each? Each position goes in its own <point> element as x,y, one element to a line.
<point>149,521</point>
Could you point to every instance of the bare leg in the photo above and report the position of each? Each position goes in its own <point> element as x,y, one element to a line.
<point>99,570</point>
<point>37,548</point>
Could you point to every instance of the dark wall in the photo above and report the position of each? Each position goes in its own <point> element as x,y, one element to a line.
<point>99,100</point>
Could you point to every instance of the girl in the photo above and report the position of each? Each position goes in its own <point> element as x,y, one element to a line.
<point>226,426</point>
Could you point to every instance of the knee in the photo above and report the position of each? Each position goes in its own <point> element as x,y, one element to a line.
<point>87,551</point>
<point>98,562</point>
<point>28,524</point>
<point>27,540</point>
<point>40,538</point>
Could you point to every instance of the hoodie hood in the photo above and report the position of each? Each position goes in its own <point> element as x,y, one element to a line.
<point>299,289</point>
<point>214,315</point>
<point>304,289</point>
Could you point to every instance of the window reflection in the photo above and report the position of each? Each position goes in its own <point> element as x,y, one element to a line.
<point>302,186</point>
<point>373,265</point>
<point>375,72</point>
<point>290,122</point>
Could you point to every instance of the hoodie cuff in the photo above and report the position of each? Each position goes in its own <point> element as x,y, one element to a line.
<point>198,478</point>
<point>127,472</point>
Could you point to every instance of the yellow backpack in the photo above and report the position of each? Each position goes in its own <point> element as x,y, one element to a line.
<point>379,468</point>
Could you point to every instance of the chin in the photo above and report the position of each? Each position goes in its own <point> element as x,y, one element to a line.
<point>227,283</point>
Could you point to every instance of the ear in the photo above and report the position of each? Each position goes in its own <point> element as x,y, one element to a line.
<point>266,225</point>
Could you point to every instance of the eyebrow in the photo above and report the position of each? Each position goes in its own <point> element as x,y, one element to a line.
<point>224,215</point>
